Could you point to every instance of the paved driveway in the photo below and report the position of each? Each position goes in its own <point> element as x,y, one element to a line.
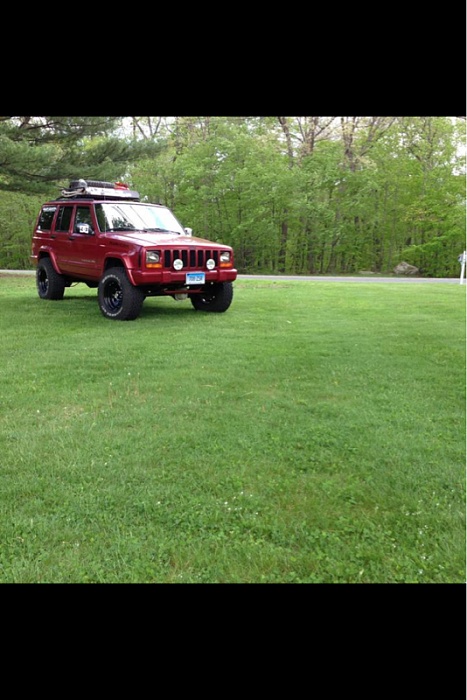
<point>313,278</point>
<point>357,278</point>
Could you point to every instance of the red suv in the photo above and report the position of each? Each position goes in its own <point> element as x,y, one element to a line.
<point>100,233</point>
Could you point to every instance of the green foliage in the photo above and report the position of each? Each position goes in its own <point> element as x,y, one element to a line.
<point>362,194</point>
<point>18,214</point>
<point>318,437</point>
<point>38,151</point>
<point>231,180</point>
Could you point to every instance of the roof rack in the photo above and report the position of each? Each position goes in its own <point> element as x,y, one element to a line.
<point>99,190</point>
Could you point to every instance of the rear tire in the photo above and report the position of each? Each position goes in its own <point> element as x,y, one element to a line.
<point>118,299</point>
<point>216,297</point>
<point>50,285</point>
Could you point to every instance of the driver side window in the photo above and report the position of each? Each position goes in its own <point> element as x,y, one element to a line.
<point>83,216</point>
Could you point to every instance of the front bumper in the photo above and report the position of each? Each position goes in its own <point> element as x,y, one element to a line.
<point>172,278</point>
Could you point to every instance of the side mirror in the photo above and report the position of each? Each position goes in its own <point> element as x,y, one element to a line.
<point>85,228</point>
<point>188,231</point>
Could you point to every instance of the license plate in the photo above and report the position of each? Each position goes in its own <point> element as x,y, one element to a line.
<point>195,278</point>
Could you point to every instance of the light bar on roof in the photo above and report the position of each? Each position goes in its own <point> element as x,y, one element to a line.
<point>119,190</point>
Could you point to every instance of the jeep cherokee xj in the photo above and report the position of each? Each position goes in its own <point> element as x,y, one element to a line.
<point>100,233</point>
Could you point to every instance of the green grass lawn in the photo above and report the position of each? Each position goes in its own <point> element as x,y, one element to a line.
<point>312,433</point>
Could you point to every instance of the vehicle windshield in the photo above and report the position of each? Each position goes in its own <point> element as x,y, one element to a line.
<point>129,216</point>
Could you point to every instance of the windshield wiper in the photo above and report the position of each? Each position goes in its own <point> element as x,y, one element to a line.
<point>159,230</point>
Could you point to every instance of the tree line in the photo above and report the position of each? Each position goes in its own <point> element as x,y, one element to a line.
<point>296,195</point>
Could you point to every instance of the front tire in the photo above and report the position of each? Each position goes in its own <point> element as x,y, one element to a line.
<point>215,297</point>
<point>118,299</point>
<point>50,285</point>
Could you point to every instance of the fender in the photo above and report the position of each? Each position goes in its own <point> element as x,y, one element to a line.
<point>130,260</point>
<point>47,252</point>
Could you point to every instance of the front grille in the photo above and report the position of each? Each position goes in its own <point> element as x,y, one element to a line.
<point>192,258</point>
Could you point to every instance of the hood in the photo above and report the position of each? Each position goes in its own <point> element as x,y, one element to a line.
<point>150,239</point>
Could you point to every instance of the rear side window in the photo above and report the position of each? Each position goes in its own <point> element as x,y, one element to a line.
<point>45,218</point>
<point>64,219</point>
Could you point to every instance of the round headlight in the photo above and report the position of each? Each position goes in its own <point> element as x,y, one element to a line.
<point>210,264</point>
<point>178,264</point>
